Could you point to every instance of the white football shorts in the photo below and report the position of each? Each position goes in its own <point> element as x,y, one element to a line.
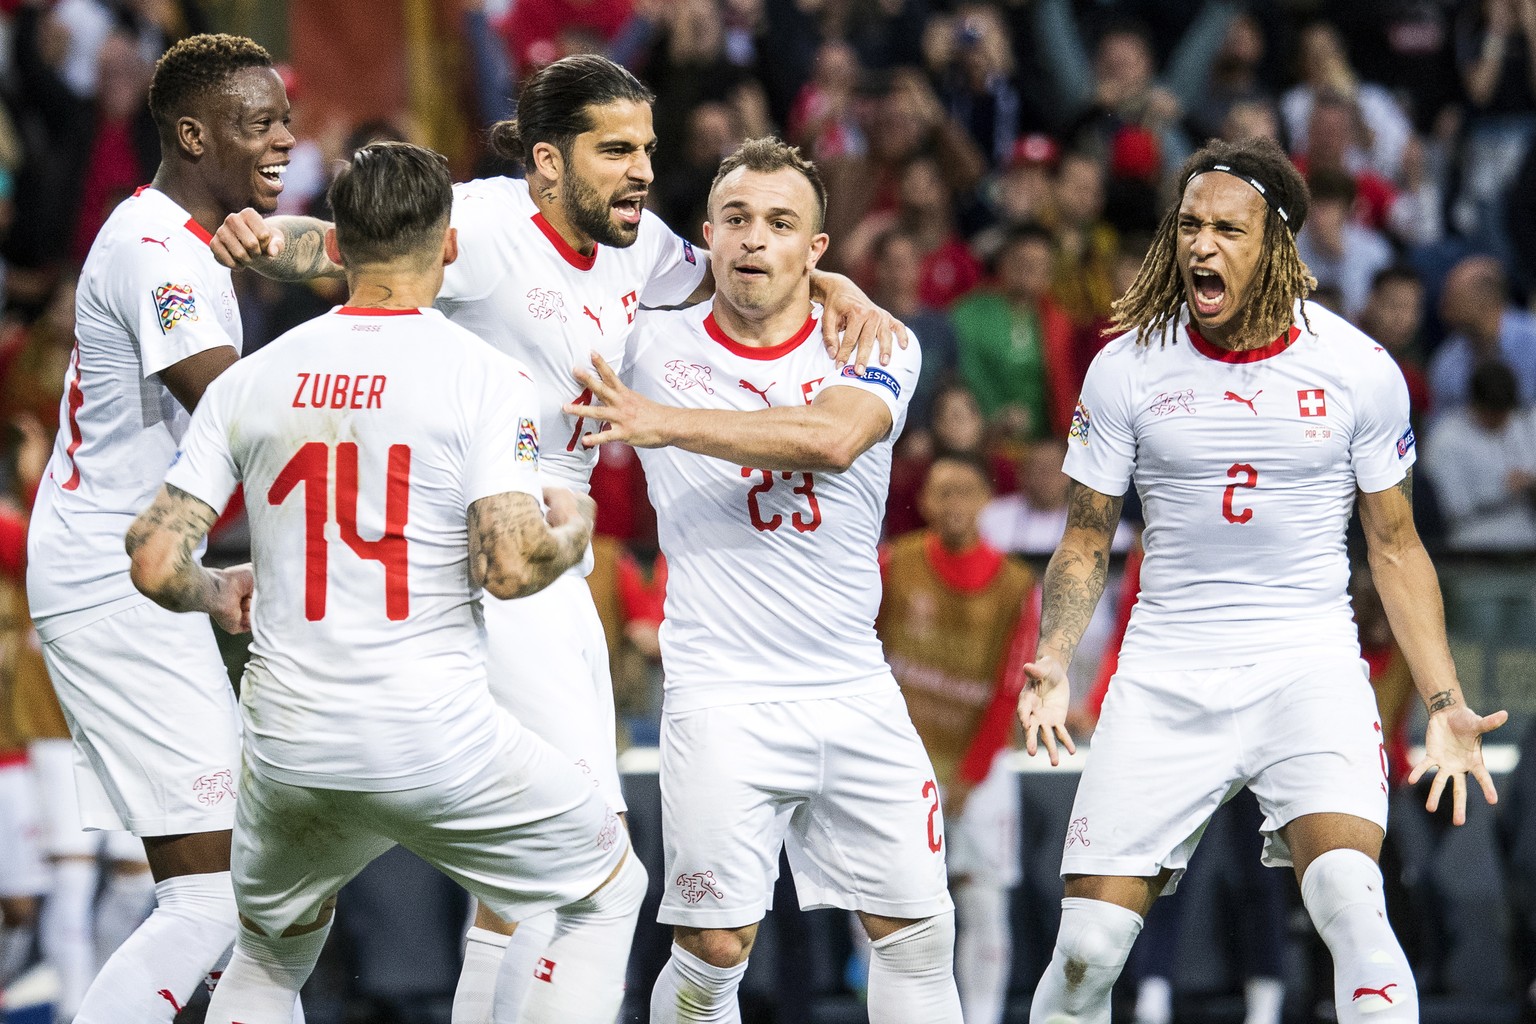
<point>20,834</point>
<point>983,840</point>
<point>53,766</point>
<point>523,832</point>
<point>547,662</point>
<point>843,783</point>
<point>1172,746</point>
<point>154,720</point>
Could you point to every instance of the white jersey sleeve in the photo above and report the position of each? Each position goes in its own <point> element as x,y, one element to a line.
<point>479,210</point>
<point>1382,447</point>
<point>676,266</point>
<point>892,384</point>
<point>171,303</point>
<point>205,467</point>
<point>1101,444</point>
<point>503,455</point>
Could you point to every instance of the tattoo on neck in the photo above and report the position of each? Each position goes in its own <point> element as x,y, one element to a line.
<point>1441,701</point>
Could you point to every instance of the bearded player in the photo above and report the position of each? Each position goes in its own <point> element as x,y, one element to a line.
<point>1252,423</point>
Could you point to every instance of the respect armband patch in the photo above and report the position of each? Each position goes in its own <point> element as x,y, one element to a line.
<point>874,375</point>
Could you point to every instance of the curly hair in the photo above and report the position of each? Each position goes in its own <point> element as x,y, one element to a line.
<point>194,67</point>
<point>1153,300</point>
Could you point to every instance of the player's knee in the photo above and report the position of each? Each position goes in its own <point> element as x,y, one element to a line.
<point>718,947</point>
<point>918,946</point>
<point>1096,934</point>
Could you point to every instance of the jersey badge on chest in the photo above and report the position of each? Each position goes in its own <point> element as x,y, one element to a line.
<point>1174,401</point>
<point>683,375</point>
<point>546,303</point>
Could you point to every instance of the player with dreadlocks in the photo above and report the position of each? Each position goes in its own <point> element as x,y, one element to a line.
<point>1251,424</point>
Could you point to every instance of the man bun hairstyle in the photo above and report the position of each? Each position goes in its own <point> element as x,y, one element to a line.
<point>392,199</point>
<point>1154,299</point>
<point>554,105</point>
<point>769,154</point>
<point>195,67</point>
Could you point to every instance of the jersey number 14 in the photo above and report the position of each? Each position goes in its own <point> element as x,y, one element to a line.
<point>311,466</point>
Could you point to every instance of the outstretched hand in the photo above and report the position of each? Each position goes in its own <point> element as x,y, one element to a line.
<point>1043,707</point>
<point>244,237</point>
<point>626,416</point>
<point>1453,745</point>
<point>852,326</point>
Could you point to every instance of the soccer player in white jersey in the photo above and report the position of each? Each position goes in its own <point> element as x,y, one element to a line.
<point>1252,423</point>
<point>156,733</point>
<point>391,462</point>
<point>781,719</point>
<point>554,267</point>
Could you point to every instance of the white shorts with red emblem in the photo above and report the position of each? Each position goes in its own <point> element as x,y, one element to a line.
<point>521,830</point>
<point>547,661</point>
<point>20,835</point>
<point>983,842</point>
<point>154,720</point>
<point>843,783</point>
<point>1173,746</point>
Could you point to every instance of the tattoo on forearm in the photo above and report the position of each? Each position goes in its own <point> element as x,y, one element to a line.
<point>1405,486</point>
<point>303,257</point>
<point>1087,509</point>
<point>1442,700</point>
<point>187,520</point>
<point>1075,578</point>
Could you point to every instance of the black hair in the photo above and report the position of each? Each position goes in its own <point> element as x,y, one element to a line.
<point>1395,272</point>
<point>973,460</point>
<point>555,105</point>
<point>390,200</point>
<point>193,68</point>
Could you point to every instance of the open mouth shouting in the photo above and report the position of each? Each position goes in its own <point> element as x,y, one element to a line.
<point>1209,292</point>
<point>628,209</point>
<point>272,175</point>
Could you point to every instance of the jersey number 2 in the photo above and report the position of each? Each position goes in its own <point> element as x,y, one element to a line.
<point>311,466</point>
<point>1245,476</point>
<point>806,489</point>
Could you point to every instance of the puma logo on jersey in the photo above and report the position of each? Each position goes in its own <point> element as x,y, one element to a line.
<point>166,994</point>
<point>1233,396</point>
<point>698,885</point>
<point>685,375</point>
<point>746,385</point>
<point>1361,993</point>
<point>594,317</point>
<point>158,241</point>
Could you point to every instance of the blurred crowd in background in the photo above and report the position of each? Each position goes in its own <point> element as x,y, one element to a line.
<point>995,174</point>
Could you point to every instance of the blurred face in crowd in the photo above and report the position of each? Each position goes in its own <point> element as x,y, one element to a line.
<point>898,270</point>
<point>957,422</point>
<point>923,189</point>
<point>1325,224</point>
<point>1330,134</point>
<point>764,239</point>
<point>1220,243</point>
<point>1040,474</point>
<point>1123,65</point>
<point>1472,301</point>
<point>1244,44</point>
<point>1393,312</point>
<point>1251,120</point>
<point>607,174</point>
<point>1024,191</point>
<point>712,134</point>
<point>1024,269</point>
<point>836,68</point>
<point>1079,189</point>
<point>951,501</point>
<point>246,140</point>
<point>982,41</point>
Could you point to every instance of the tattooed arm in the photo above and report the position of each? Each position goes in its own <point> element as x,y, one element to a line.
<point>1074,581</point>
<point>160,544</point>
<point>1410,593</point>
<point>514,550</point>
<point>282,248</point>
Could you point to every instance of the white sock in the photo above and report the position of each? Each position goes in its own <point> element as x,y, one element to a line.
<point>476,990</point>
<point>1091,947</point>
<point>912,974</point>
<point>65,929</point>
<point>126,900</point>
<point>1371,978</point>
<point>153,974</point>
<point>1264,998</point>
<point>581,976</point>
<point>1154,1001</point>
<point>521,962</point>
<point>983,952</point>
<point>692,991</point>
<point>261,984</point>
<point>15,948</point>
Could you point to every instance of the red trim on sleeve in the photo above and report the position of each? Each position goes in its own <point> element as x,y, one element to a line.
<point>1252,355</point>
<point>996,726</point>
<point>563,247</point>
<point>198,230</point>
<point>1130,593</point>
<point>783,348</point>
<point>376,311</point>
<point>13,758</point>
<point>141,190</point>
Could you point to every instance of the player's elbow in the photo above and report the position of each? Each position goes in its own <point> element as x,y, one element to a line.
<point>149,566</point>
<point>508,578</point>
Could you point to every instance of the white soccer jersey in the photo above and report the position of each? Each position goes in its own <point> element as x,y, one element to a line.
<point>520,286</point>
<point>773,577</point>
<point>151,294</point>
<point>361,440</point>
<point>1247,466</point>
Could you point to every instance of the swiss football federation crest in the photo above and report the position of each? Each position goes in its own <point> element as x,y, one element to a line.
<point>544,303</point>
<point>698,885</point>
<point>1165,403</point>
<point>212,789</point>
<point>685,375</point>
<point>1081,423</point>
<point>1312,402</point>
<point>174,303</point>
<point>1077,832</point>
<point>527,440</point>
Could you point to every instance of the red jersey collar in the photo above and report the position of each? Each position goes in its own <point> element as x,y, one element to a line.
<point>783,348</point>
<point>375,311</point>
<point>191,225</point>
<point>1252,355</point>
<point>563,247</point>
<point>966,571</point>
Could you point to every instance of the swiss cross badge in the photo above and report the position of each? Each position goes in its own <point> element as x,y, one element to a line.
<point>1312,402</point>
